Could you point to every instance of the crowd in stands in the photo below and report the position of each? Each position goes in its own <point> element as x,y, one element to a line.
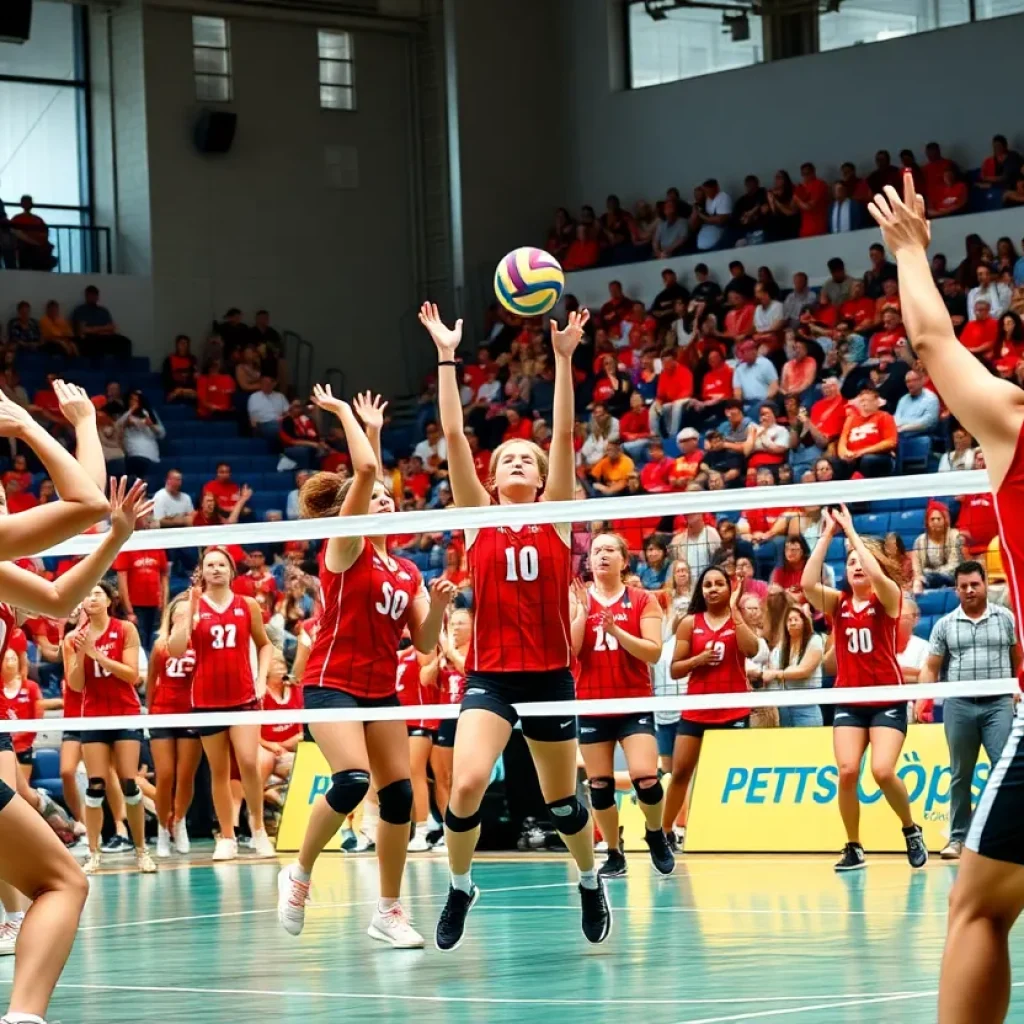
<point>24,239</point>
<point>714,219</point>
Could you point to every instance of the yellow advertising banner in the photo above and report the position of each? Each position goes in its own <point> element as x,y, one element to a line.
<point>774,790</point>
<point>311,776</point>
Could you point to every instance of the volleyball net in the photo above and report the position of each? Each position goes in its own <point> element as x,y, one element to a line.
<point>760,536</point>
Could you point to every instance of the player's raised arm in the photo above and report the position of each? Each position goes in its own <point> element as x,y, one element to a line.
<point>990,408</point>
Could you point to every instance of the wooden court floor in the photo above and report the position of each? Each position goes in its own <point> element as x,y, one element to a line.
<point>725,939</point>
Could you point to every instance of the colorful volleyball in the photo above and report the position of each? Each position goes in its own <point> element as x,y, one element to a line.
<point>528,282</point>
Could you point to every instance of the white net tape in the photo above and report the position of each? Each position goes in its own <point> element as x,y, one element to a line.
<point>446,520</point>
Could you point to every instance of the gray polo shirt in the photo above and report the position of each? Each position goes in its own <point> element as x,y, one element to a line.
<point>974,648</point>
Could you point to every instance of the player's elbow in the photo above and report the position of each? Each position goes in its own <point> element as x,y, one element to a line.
<point>365,469</point>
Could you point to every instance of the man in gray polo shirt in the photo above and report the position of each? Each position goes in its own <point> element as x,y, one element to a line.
<point>978,640</point>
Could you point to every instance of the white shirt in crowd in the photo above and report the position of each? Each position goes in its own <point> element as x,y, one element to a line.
<point>997,295</point>
<point>711,234</point>
<point>267,408</point>
<point>813,680</point>
<point>768,318</point>
<point>166,505</point>
<point>426,451</point>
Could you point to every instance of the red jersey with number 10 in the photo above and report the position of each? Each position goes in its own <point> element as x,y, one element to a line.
<point>605,668</point>
<point>104,693</point>
<point>521,584</point>
<point>172,694</point>
<point>865,640</point>
<point>222,640</point>
<point>727,674</point>
<point>366,609</point>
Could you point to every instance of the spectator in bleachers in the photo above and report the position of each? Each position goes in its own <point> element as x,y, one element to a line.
<point>257,579</point>
<point>729,463</point>
<point>608,477</point>
<point>635,429</point>
<point>781,215</point>
<point>686,465</point>
<point>697,544</point>
<point>811,197</point>
<point>845,213</point>
<point>980,333</point>
<point>45,407</point>
<point>657,564</point>
<point>33,238</point>
<point>616,233</point>
<point>143,584</point>
<point>990,290</point>
<point>938,551</point>
<point>976,521</point>
<point>602,428</point>
<point>19,471</point>
<point>858,308</point>
<point>755,380</point>
<point>96,330</point>
<point>233,333</point>
<point>795,664</point>
<point>612,388</point>
<point>769,318</point>
<point>917,412</point>
<point>179,372</point>
<point>57,334</point>
<point>584,251</point>
<point>706,290</point>
<point>142,432</point>
<point>1006,257</point>
<point>949,196</point>
<point>935,168</point>
<point>214,389</point>
<point>671,232</point>
<point>663,307</point>
<point>748,213</point>
<point>47,492</point>
<point>654,473</point>
<point>292,506</point>
<point>888,335</point>
<point>714,216</point>
<point>560,234</point>
<point>615,309</point>
<point>768,441</point>
<point>268,344</point>
<point>1002,168</point>
<point>17,499</point>
<point>299,437</point>
<point>11,386</point>
<point>172,506</point>
<point>867,444</point>
<point>675,389</point>
<point>1009,347</point>
<point>883,174</point>
<point>23,329</point>
<point>967,271</point>
<point>739,281</point>
<point>799,299</point>
<point>838,288</point>
<point>799,372</point>
<point>735,426</point>
<point>739,321</point>
<point>963,454</point>
<point>266,408</point>
<point>225,491</point>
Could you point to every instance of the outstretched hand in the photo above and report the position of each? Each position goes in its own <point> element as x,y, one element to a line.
<point>904,221</point>
<point>14,420</point>
<point>844,520</point>
<point>370,409</point>
<point>446,339</point>
<point>74,402</point>
<point>324,398</point>
<point>564,342</point>
<point>127,506</point>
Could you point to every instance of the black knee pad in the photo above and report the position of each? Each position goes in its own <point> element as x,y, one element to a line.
<point>651,794</point>
<point>456,824</point>
<point>347,790</point>
<point>569,816</point>
<point>602,796</point>
<point>395,802</point>
<point>132,793</point>
<point>95,792</point>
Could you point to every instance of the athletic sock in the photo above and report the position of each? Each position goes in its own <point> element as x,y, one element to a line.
<point>21,1018</point>
<point>299,875</point>
<point>588,879</point>
<point>16,919</point>
<point>385,903</point>
<point>464,883</point>
<point>908,830</point>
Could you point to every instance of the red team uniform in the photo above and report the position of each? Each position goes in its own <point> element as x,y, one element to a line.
<point>22,706</point>
<point>222,641</point>
<point>521,648</point>
<point>172,694</point>
<point>8,625</point>
<point>284,731</point>
<point>728,674</point>
<point>605,669</point>
<point>865,642</point>
<point>105,694</point>
<point>412,693</point>
<point>355,650</point>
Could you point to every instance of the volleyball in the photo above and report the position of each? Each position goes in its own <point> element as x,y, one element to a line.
<point>528,281</point>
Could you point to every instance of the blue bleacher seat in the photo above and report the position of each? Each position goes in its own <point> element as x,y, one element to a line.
<point>952,601</point>
<point>46,771</point>
<point>836,550</point>
<point>924,628</point>
<point>913,454</point>
<point>909,521</point>
<point>932,602</point>
<point>872,524</point>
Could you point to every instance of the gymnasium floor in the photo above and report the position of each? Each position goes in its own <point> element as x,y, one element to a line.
<point>724,939</point>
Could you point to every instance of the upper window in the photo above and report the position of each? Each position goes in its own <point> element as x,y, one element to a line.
<point>211,59</point>
<point>667,44</point>
<point>873,21</point>
<point>337,70</point>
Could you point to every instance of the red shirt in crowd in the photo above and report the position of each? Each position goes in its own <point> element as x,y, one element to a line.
<point>740,322</point>
<point>860,311</point>
<point>979,336</point>
<point>634,425</point>
<point>716,386</point>
<point>23,705</point>
<point>330,463</point>
<point>20,501</point>
<point>654,476</point>
<point>181,368</point>
<point>675,384</point>
<point>46,399</point>
<point>815,220</point>
<point>829,415</point>
<point>684,469</point>
<point>886,340</point>
<point>862,431</point>
<point>24,479</point>
<point>214,391</point>
<point>948,197</point>
<point>144,571</point>
<point>225,492</point>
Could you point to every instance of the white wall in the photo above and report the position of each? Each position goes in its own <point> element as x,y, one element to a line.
<point>811,255</point>
<point>957,86</point>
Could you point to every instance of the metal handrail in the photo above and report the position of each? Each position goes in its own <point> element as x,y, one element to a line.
<point>303,381</point>
<point>76,249</point>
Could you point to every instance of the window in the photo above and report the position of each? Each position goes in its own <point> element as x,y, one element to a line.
<point>211,59</point>
<point>985,9</point>
<point>337,70</point>
<point>873,21</point>
<point>686,42</point>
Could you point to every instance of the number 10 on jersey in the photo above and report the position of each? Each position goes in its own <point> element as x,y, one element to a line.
<point>521,564</point>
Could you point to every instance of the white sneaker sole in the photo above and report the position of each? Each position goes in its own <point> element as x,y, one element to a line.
<point>375,933</point>
<point>472,903</point>
<point>855,867</point>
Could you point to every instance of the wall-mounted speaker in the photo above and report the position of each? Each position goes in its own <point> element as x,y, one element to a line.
<point>215,131</point>
<point>15,21</point>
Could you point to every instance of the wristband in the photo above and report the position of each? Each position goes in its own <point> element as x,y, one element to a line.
<point>448,362</point>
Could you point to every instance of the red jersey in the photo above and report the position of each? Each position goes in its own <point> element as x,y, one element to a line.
<point>452,684</point>
<point>8,627</point>
<point>145,571</point>
<point>172,693</point>
<point>1011,526</point>
<point>410,689</point>
<point>366,609</point>
<point>104,693</point>
<point>222,640</point>
<point>865,640</point>
<point>606,668</point>
<point>72,701</point>
<point>292,702</point>
<point>521,587</point>
<point>41,626</point>
<point>22,705</point>
<point>977,520</point>
<point>726,675</point>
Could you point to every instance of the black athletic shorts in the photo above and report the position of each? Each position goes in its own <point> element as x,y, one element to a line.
<point>315,698</point>
<point>71,737</point>
<point>446,733</point>
<point>497,692</point>
<point>615,728</point>
<point>110,736</point>
<point>25,756</point>
<point>212,730</point>
<point>6,743</point>
<point>997,828</point>
<point>871,716</point>
<point>422,730</point>
<point>697,729</point>
<point>6,794</point>
<point>174,734</point>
